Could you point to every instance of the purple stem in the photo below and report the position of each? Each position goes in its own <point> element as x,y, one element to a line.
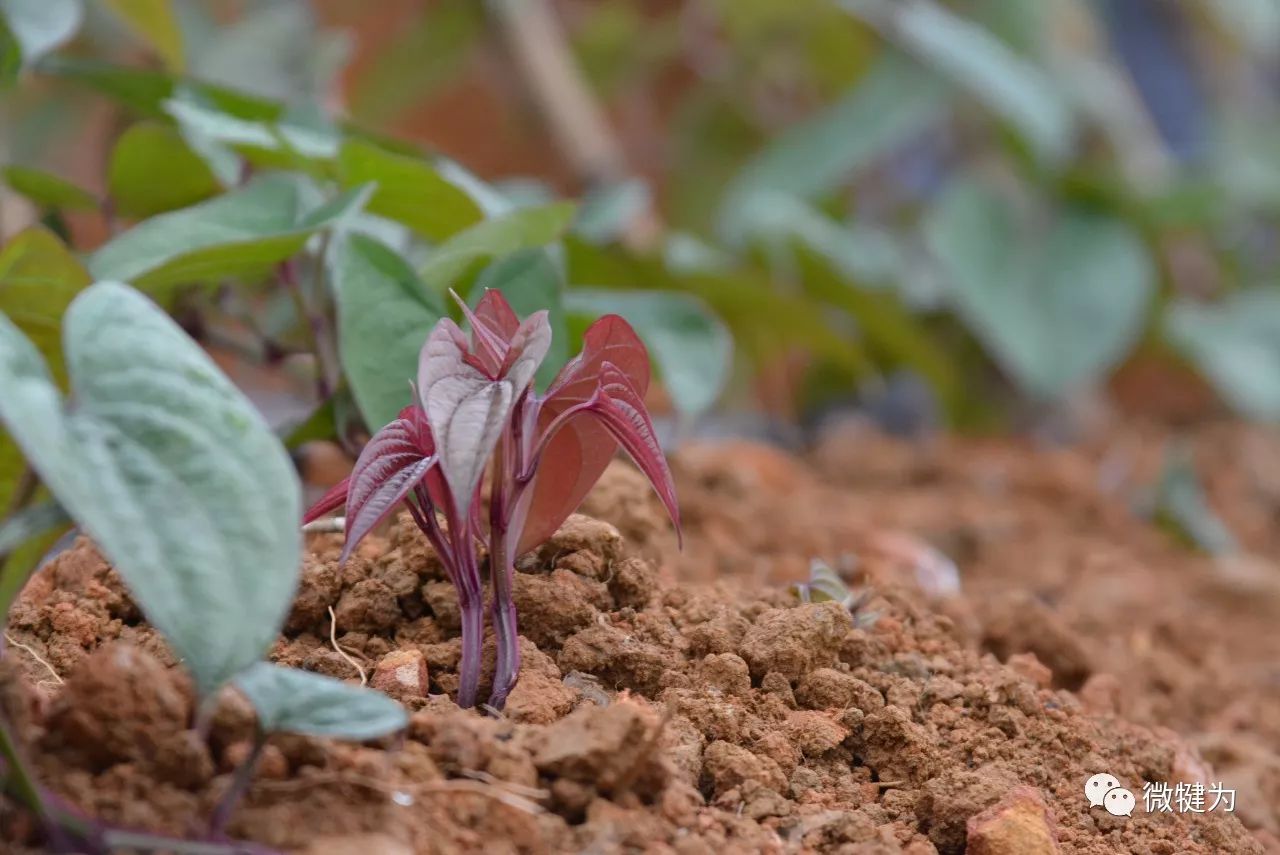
<point>502,571</point>
<point>458,554</point>
<point>508,510</point>
<point>239,786</point>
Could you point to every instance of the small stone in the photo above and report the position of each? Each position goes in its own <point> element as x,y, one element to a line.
<point>1101,694</point>
<point>1027,665</point>
<point>1018,824</point>
<point>402,674</point>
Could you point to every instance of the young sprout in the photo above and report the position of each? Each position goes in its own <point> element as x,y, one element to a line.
<point>476,413</point>
<point>825,585</point>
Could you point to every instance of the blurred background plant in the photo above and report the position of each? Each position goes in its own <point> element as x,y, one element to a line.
<point>972,215</point>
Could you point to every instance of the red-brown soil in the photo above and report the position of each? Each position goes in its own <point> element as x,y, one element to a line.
<point>686,702</point>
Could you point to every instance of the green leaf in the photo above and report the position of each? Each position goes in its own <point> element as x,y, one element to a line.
<point>47,190</point>
<point>265,144</point>
<point>1182,506</point>
<point>39,277</point>
<point>433,51</point>
<point>155,22</point>
<point>240,234</point>
<point>966,54</point>
<point>146,90</point>
<point>896,101</point>
<point>170,469</point>
<point>532,280</point>
<point>690,346</point>
<point>1236,345</point>
<point>410,190</point>
<point>39,26</point>
<point>153,171</point>
<point>291,701</point>
<point>25,537</point>
<point>766,323</point>
<point>523,228</point>
<point>608,211</point>
<point>384,315</point>
<point>1055,310</point>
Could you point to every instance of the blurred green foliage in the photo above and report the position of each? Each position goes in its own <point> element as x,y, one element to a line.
<point>1005,200</point>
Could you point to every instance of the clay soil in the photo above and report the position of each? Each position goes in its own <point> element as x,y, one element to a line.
<point>1024,629</point>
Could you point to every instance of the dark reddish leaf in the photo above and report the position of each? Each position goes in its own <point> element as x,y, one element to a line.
<point>388,469</point>
<point>579,453</point>
<point>496,313</point>
<point>621,409</point>
<point>334,498</point>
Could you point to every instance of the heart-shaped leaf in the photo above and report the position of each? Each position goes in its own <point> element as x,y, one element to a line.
<point>170,469</point>
<point>1056,311</point>
<point>291,701</point>
<point>241,233</point>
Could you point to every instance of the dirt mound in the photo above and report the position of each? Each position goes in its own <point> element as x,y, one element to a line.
<point>714,713</point>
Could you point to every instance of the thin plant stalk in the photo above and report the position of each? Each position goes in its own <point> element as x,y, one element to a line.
<point>239,786</point>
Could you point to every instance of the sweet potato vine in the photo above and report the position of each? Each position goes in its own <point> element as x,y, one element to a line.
<point>476,413</point>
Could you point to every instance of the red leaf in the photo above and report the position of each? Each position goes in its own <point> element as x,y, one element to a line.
<point>495,312</point>
<point>609,339</point>
<point>388,469</point>
<point>469,408</point>
<point>621,409</point>
<point>333,499</point>
<point>579,453</point>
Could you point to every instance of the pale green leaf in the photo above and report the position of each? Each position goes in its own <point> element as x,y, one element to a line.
<point>896,101</point>
<point>170,469</point>
<point>1235,344</point>
<point>963,52</point>
<point>39,26</point>
<point>291,701</point>
<point>1055,310</point>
